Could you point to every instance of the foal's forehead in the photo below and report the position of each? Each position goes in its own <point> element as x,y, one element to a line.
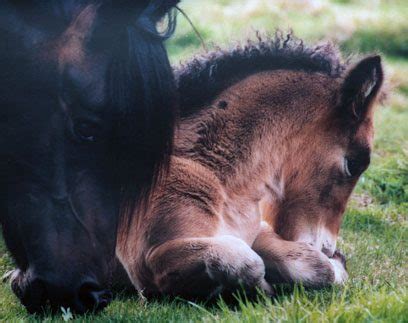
<point>297,81</point>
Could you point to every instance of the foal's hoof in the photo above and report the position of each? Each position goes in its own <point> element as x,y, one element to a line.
<point>267,289</point>
<point>340,257</point>
<point>338,262</point>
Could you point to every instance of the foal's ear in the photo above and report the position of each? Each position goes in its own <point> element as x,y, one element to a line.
<point>361,86</point>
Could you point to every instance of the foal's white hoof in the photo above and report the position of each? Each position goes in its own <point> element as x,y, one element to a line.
<point>340,273</point>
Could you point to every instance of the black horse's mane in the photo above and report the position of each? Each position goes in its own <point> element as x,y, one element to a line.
<point>143,93</point>
<point>205,76</point>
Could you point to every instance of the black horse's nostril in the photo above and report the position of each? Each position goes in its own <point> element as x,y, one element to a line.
<point>36,294</point>
<point>32,295</point>
<point>93,297</point>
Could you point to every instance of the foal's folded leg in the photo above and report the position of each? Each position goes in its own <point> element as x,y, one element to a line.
<point>297,262</point>
<point>205,267</point>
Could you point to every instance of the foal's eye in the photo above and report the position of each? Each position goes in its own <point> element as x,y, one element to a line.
<point>86,131</point>
<point>351,167</point>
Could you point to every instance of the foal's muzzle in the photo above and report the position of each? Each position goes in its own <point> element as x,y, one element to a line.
<point>37,294</point>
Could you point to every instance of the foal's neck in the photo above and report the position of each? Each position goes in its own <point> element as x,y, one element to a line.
<point>248,132</point>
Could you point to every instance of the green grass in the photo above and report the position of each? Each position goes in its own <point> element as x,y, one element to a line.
<point>375,230</point>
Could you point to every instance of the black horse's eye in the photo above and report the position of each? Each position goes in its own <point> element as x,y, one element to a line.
<point>86,131</point>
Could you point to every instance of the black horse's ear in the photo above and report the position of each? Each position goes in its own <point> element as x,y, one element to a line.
<point>122,11</point>
<point>125,11</point>
<point>361,86</point>
<point>159,8</point>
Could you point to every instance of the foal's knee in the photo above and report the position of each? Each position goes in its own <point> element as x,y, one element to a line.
<point>207,266</point>
<point>178,268</point>
<point>298,262</point>
<point>232,262</point>
<point>312,268</point>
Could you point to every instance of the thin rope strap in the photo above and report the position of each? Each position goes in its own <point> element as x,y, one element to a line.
<point>194,28</point>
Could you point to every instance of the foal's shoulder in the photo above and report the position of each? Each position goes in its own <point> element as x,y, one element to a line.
<point>188,173</point>
<point>190,183</point>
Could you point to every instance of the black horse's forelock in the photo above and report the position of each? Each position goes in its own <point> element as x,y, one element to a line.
<point>143,98</point>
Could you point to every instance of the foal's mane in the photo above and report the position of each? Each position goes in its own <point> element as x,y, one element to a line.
<point>205,76</point>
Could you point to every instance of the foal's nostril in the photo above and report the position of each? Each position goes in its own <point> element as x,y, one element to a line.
<point>93,297</point>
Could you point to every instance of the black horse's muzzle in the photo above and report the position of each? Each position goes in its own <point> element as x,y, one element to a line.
<point>38,294</point>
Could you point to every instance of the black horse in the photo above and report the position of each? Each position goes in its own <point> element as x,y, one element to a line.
<point>86,121</point>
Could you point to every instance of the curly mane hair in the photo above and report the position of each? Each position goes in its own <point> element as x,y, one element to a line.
<point>207,75</point>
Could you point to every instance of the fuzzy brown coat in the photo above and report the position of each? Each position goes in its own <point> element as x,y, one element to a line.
<point>257,186</point>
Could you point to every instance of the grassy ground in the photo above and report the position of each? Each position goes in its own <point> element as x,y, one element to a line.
<point>374,234</point>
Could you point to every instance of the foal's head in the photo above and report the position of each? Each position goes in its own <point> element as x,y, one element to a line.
<point>291,123</point>
<point>86,96</point>
<point>326,151</point>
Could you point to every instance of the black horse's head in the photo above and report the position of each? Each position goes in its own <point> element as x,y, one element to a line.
<point>86,122</point>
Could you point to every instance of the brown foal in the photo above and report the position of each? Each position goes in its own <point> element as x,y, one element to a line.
<point>272,141</point>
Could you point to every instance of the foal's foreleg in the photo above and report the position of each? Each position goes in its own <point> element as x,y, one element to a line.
<point>296,262</point>
<point>205,267</point>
